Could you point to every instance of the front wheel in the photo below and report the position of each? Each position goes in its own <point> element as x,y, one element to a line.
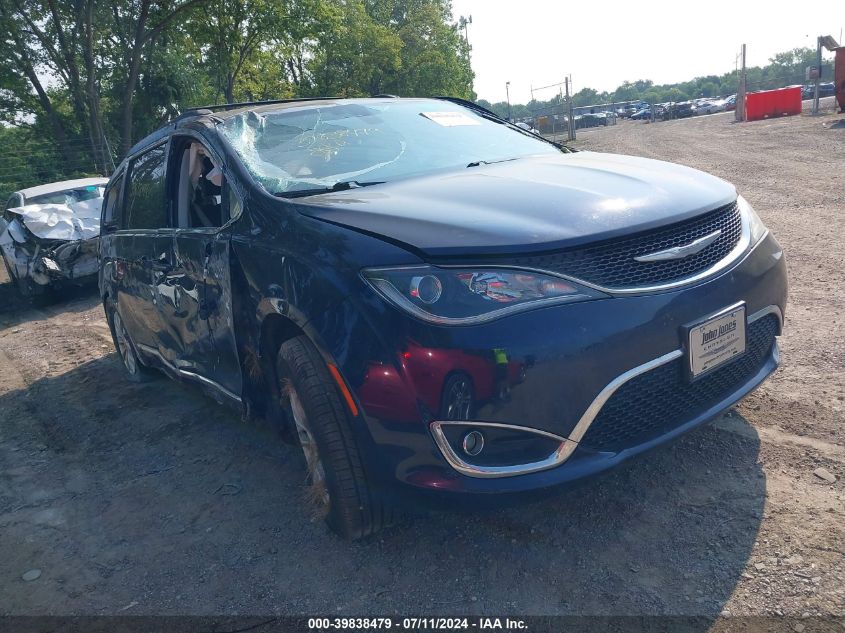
<point>338,482</point>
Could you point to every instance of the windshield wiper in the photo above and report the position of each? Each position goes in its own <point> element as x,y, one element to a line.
<point>338,186</point>
<point>479,163</point>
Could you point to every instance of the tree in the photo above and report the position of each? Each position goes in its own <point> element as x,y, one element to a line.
<point>137,27</point>
<point>586,96</point>
<point>75,74</point>
<point>353,53</point>
<point>229,35</point>
<point>434,54</point>
<point>58,38</point>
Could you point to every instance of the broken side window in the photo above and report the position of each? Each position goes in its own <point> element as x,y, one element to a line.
<point>199,195</point>
<point>145,201</point>
<point>112,205</point>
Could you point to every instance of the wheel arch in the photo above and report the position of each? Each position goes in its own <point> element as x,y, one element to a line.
<point>274,330</point>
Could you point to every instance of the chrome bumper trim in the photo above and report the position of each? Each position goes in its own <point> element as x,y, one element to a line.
<point>765,312</point>
<point>568,444</point>
<point>592,411</point>
<point>560,455</point>
<point>596,405</point>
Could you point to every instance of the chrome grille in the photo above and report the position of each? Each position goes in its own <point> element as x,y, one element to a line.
<point>611,264</point>
<point>662,399</point>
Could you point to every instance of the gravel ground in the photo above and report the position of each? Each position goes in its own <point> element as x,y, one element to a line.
<point>152,499</point>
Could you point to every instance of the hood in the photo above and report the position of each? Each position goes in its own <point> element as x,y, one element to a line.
<point>536,203</point>
<point>69,222</point>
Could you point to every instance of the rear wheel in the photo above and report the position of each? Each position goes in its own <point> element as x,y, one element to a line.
<point>338,483</point>
<point>135,371</point>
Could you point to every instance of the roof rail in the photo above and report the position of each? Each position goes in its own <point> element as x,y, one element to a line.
<point>189,113</point>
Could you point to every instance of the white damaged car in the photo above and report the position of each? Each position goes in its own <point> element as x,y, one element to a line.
<point>49,233</point>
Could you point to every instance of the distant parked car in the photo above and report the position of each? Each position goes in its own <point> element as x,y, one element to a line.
<point>682,110</point>
<point>730,103</point>
<point>593,119</point>
<point>641,115</point>
<point>525,126</point>
<point>711,107</point>
<point>48,235</point>
<point>826,89</point>
<point>628,111</point>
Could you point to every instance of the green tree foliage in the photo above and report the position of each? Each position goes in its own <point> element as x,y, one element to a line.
<point>354,54</point>
<point>231,35</point>
<point>82,80</point>
<point>588,96</point>
<point>434,55</point>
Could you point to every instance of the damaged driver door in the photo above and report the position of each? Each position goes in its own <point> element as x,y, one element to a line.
<point>201,310</point>
<point>198,309</point>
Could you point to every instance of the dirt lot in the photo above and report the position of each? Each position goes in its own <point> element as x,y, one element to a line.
<point>153,499</point>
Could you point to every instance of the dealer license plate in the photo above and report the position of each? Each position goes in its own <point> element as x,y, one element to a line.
<point>716,341</point>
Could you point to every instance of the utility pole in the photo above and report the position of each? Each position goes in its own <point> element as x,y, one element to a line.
<point>571,120</point>
<point>818,75</point>
<point>534,112</point>
<point>508,93</point>
<point>739,113</point>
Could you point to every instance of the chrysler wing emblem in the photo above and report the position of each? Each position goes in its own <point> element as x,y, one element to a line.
<point>679,252</point>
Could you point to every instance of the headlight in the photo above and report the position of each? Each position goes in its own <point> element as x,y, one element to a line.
<point>758,229</point>
<point>464,296</point>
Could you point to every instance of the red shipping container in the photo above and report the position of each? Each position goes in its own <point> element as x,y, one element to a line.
<point>768,103</point>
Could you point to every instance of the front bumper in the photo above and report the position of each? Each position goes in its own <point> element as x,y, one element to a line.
<point>570,362</point>
<point>40,264</point>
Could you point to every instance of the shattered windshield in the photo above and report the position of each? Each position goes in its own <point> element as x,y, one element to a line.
<point>311,149</point>
<point>68,196</point>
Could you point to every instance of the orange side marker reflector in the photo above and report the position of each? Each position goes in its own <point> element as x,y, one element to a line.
<point>350,401</point>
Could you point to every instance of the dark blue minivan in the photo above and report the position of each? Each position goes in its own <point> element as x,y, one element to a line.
<point>430,300</point>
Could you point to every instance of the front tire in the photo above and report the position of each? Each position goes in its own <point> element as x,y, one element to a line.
<point>338,481</point>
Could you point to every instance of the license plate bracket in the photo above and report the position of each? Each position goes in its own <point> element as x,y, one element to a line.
<point>715,340</point>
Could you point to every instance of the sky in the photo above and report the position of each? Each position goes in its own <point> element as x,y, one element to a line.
<point>602,43</point>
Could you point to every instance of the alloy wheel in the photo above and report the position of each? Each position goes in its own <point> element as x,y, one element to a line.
<point>124,346</point>
<point>316,472</point>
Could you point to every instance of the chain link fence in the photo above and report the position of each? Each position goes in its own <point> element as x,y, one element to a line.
<point>28,161</point>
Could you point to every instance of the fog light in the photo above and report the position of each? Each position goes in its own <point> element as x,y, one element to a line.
<point>473,443</point>
<point>427,288</point>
